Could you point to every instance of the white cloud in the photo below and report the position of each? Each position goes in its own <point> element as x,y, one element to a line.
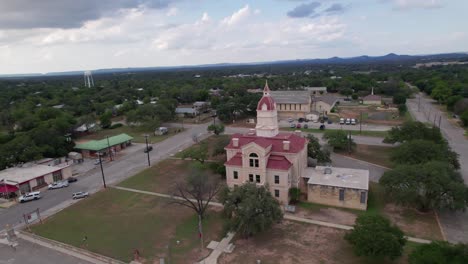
<point>237,16</point>
<point>413,4</point>
<point>172,12</point>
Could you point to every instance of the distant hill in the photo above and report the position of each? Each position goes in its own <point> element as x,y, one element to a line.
<point>390,58</point>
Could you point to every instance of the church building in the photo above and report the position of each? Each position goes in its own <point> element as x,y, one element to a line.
<point>266,157</point>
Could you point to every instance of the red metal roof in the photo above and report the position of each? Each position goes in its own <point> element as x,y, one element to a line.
<point>278,162</point>
<point>296,144</point>
<point>268,101</point>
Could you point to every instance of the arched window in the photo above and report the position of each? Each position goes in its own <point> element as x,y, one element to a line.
<point>253,160</point>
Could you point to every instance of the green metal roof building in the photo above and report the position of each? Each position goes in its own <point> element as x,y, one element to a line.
<point>98,145</point>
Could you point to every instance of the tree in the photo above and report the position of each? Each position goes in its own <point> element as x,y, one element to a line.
<point>441,92</point>
<point>347,92</point>
<point>374,236</point>
<point>414,130</point>
<point>464,118</point>
<point>294,194</point>
<point>315,151</point>
<point>433,185</point>
<point>196,193</point>
<point>399,99</point>
<point>452,100</point>
<point>439,252</point>
<point>422,151</point>
<point>354,96</point>
<point>339,139</point>
<point>216,129</point>
<point>402,109</point>
<point>250,209</point>
<point>220,144</point>
<point>106,119</point>
<point>198,152</point>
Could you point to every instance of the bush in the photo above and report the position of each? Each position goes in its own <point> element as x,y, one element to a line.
<point>452,100</point>
<point>294,194</point>
<point>115,126</point>
<point>402,109</point>
<point>218,168</point>
<point>354,96</point>
<point>399,99</point>
<point>439,252</point>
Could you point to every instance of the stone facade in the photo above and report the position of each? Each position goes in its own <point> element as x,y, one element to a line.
<point>330,195</point>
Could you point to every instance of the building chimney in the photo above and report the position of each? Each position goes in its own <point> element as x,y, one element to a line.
<point>235,142</point>
<point>286,145</point>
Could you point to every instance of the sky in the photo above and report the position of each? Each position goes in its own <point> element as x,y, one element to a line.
<point>64,35</point>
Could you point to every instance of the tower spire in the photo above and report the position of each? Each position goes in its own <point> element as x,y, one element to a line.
<point>266,89</point>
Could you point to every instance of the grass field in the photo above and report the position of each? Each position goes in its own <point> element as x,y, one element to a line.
<point>292,242</point>
<point>213,142</point>
<point>162,176</point>
<point>118,222</point>
<point>135,132</point>
<point>379,155</point>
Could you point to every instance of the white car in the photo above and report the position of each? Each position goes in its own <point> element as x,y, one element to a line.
<point>96,162</point>
<point>348,121</point>
<point>290,120</point>
<point>79,195</point>
<point>29,197</point>
<point>353,121</point>
<point>342,121</point>
<point>58,185</point>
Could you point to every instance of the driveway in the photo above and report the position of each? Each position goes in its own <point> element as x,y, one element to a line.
<point>422,108</point>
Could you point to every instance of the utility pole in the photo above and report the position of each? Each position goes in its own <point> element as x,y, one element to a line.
<point>147,150</point>
<point>440,119</point>
<point>360,123</point>
<point>435,117</point>
<point>419,102</point>
<point>349,141</point>
<point>108,148</point>
<point>102,170</point>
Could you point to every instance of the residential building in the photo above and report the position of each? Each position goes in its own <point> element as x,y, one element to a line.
<point>278,161</point>
<point>201,106</point>
<point>324,104</point>
<point>186,111</point>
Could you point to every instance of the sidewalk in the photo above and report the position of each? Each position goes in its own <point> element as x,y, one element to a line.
<point>286,216</point>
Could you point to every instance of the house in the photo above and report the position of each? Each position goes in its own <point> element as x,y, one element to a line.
<point>372,99</point>
<point>324,104</point>
<point>201,106</point>
<point>107,146</point>
<point>316,91</point>
<point>186,111</point>
<point>292,104</point>
<point>278,161</point>
<point>33,177</point>
<point>341,187</point>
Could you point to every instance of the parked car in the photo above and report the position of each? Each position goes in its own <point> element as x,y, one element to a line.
<point>292,125</point>
<point>353,121</point>
<point>58,185</point>
<point>79,195</point>
<point>342,121</point>
<point>329,121</point>
<point>300,120</point>
<point>72,179</point>
<point>306,126</point>
<point>148,149</point>
<point>290,120</point>
<point>348,121</point>
<point>298,126</point>
<point>322,127</point>
<point>29,197</point>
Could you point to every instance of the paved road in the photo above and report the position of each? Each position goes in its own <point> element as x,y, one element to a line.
<point>367,127</point>
<point>454,225</point>
<point>133,161</point>
<point>365,140</point>
<point>28,253</point>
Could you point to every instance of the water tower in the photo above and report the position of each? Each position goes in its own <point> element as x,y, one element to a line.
<point>88,79</point>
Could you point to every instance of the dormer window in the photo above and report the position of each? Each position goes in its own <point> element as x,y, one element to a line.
<point>253,160</point>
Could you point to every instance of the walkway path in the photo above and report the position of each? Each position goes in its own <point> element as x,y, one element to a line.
<point>225,246</point>
<point>286,216</point>
<point>454,224</point>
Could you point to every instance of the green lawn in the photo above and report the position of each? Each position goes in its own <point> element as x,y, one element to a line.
<point>117,222</point>
<point>379,155</point>
<point>213,142</point>
<point>138,134</point>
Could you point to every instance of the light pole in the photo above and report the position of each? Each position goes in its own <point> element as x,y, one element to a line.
<point>147,150</point>
<point>102,170</point>
<point>108,148</point>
